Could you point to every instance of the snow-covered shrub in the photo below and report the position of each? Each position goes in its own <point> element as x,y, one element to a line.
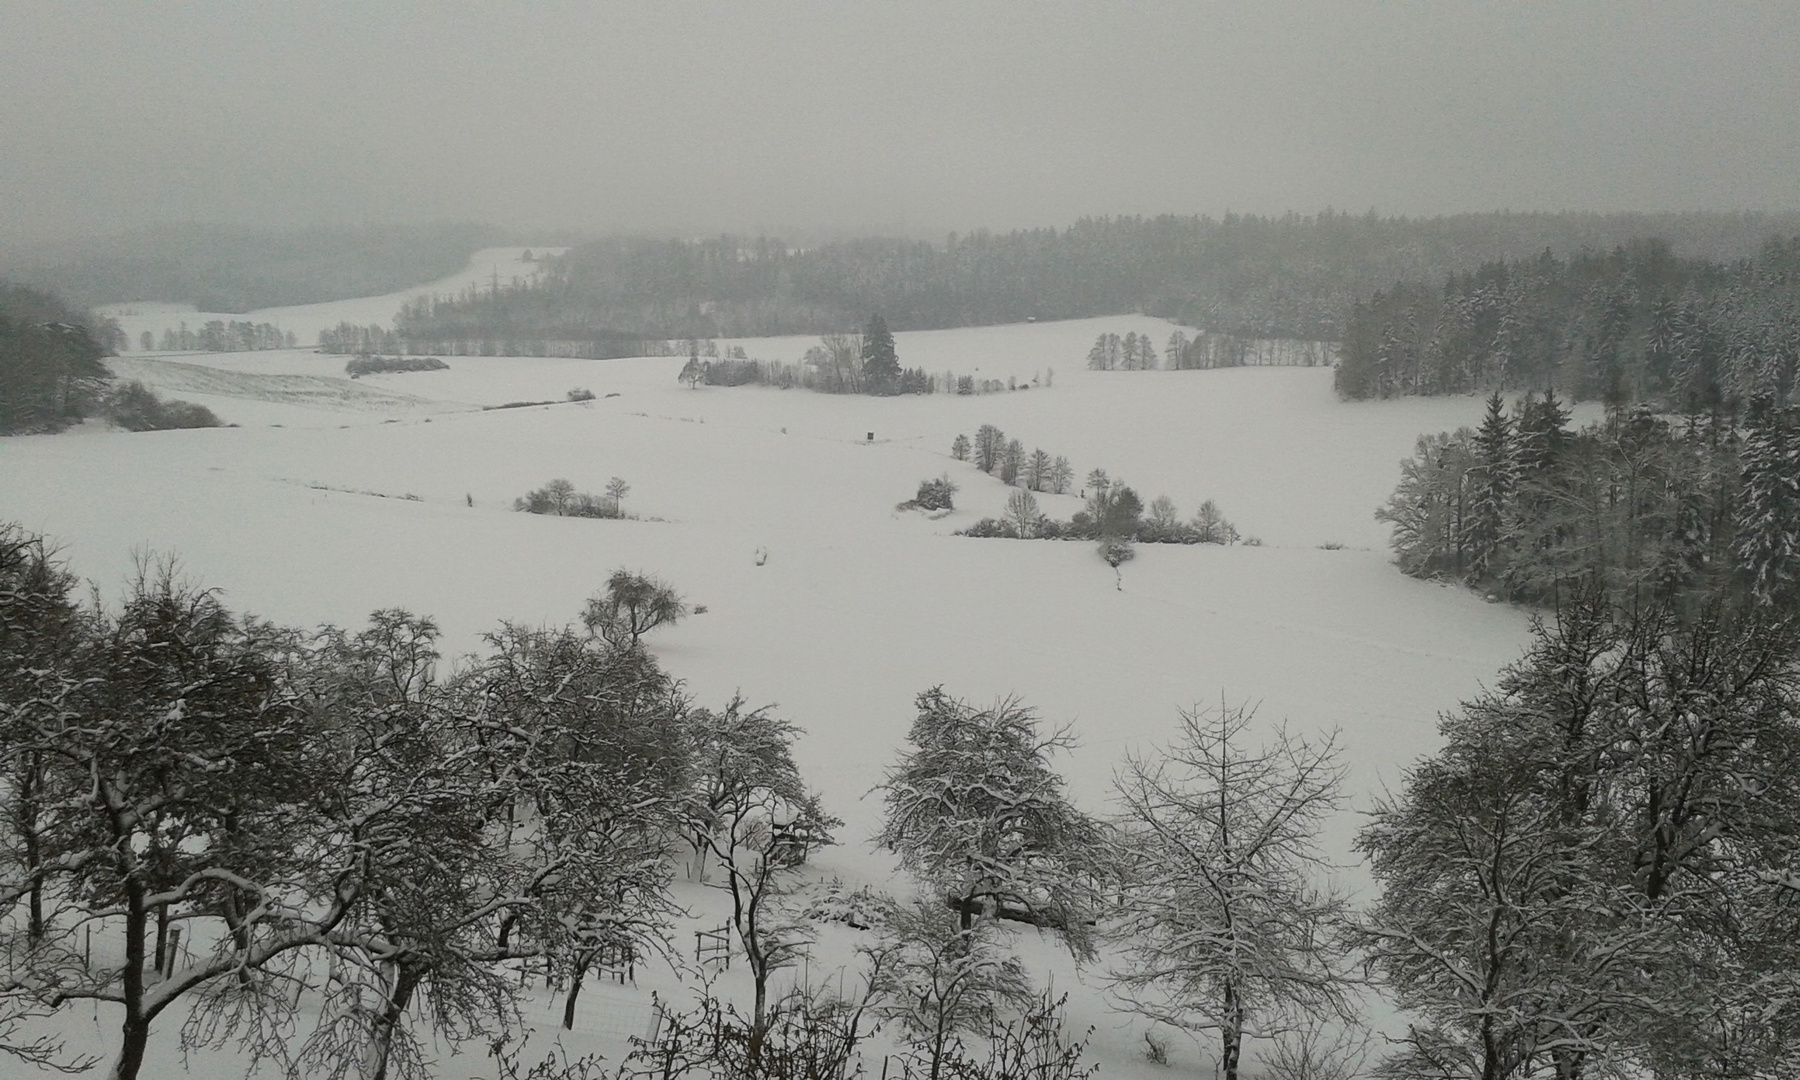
<point>936,494</point>
<point>834,901</point>
<point>365,364</point>
<point>135,407</point>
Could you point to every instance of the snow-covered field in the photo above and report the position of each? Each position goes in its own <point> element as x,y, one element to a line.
<point>335,497</point>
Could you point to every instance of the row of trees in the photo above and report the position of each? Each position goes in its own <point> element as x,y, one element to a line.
<point>1114,515</point>
<point>1636,506</point>
<point>219,336</point>
<point>559,498</point>
<point>1633,324</point>
<point>1294,277</point>
<point>1599,873</point>
<point>864,363</point>
<point>993,453</point>
<point>1205,350</point>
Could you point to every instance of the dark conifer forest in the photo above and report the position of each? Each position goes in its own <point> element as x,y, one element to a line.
<point>1635,323</point>
<point>1293,276</point>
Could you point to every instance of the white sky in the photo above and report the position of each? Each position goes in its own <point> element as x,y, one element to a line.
<point>884,114</point>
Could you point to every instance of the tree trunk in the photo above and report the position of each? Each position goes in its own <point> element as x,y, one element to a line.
<point>575,977</point>
<point>406,980</point>
<point>162,939</point>
<point>1231,1035</point>
<point>135,1033</point>
<point>34,860</point>
<point>131,1049</point>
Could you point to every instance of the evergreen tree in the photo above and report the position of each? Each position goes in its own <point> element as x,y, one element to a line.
<point>1492,478</point>
<point>1037,471</point>
<point>881,364</point>
<point>959,448</point>
<point>1768,532</point>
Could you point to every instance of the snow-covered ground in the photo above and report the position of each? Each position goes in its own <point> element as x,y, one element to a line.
<point>336,497</point>
<point>504,265</point>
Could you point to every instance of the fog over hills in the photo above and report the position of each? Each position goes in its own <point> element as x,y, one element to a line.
<point>893,118</point>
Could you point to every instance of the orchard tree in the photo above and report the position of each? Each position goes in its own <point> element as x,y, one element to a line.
<point>975,810</point>
<point>632,606</point>
<point>942,978</point>
<point>171,758</point>
<point>753,814</point>
<point>1227,923</point>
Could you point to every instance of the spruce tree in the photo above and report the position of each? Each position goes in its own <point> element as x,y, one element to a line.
<point>881,364</point>
<point>1769,512</point>
<point>1493,487</point>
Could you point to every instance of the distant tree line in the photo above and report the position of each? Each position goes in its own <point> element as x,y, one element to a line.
<point>1256,278</point>
<point>1205,350</point>
<point>347,339</point>
<point>865,363</point>
<point>1635,323</point>
<point>229,268</point>
<point>1637,507</point>
<point>220,336</point>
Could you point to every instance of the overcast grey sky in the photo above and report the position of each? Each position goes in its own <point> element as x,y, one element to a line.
<point>928,115</point>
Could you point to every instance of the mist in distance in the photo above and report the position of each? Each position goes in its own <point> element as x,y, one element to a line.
<point>909,118</point>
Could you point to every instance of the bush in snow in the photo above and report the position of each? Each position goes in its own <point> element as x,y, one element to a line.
<point>936,494</point>
<point>365,364</point>
<point>135,407</point>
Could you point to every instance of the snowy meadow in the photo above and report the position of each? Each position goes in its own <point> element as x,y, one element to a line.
<point>775,511</point>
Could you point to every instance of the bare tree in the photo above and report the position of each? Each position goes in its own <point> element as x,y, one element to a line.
<point>944,978</point>
<point>1225,924</point>
<point>616,490</point>
<point>753,814</point>
<point>632,606</point>
<point>1022,513</point>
